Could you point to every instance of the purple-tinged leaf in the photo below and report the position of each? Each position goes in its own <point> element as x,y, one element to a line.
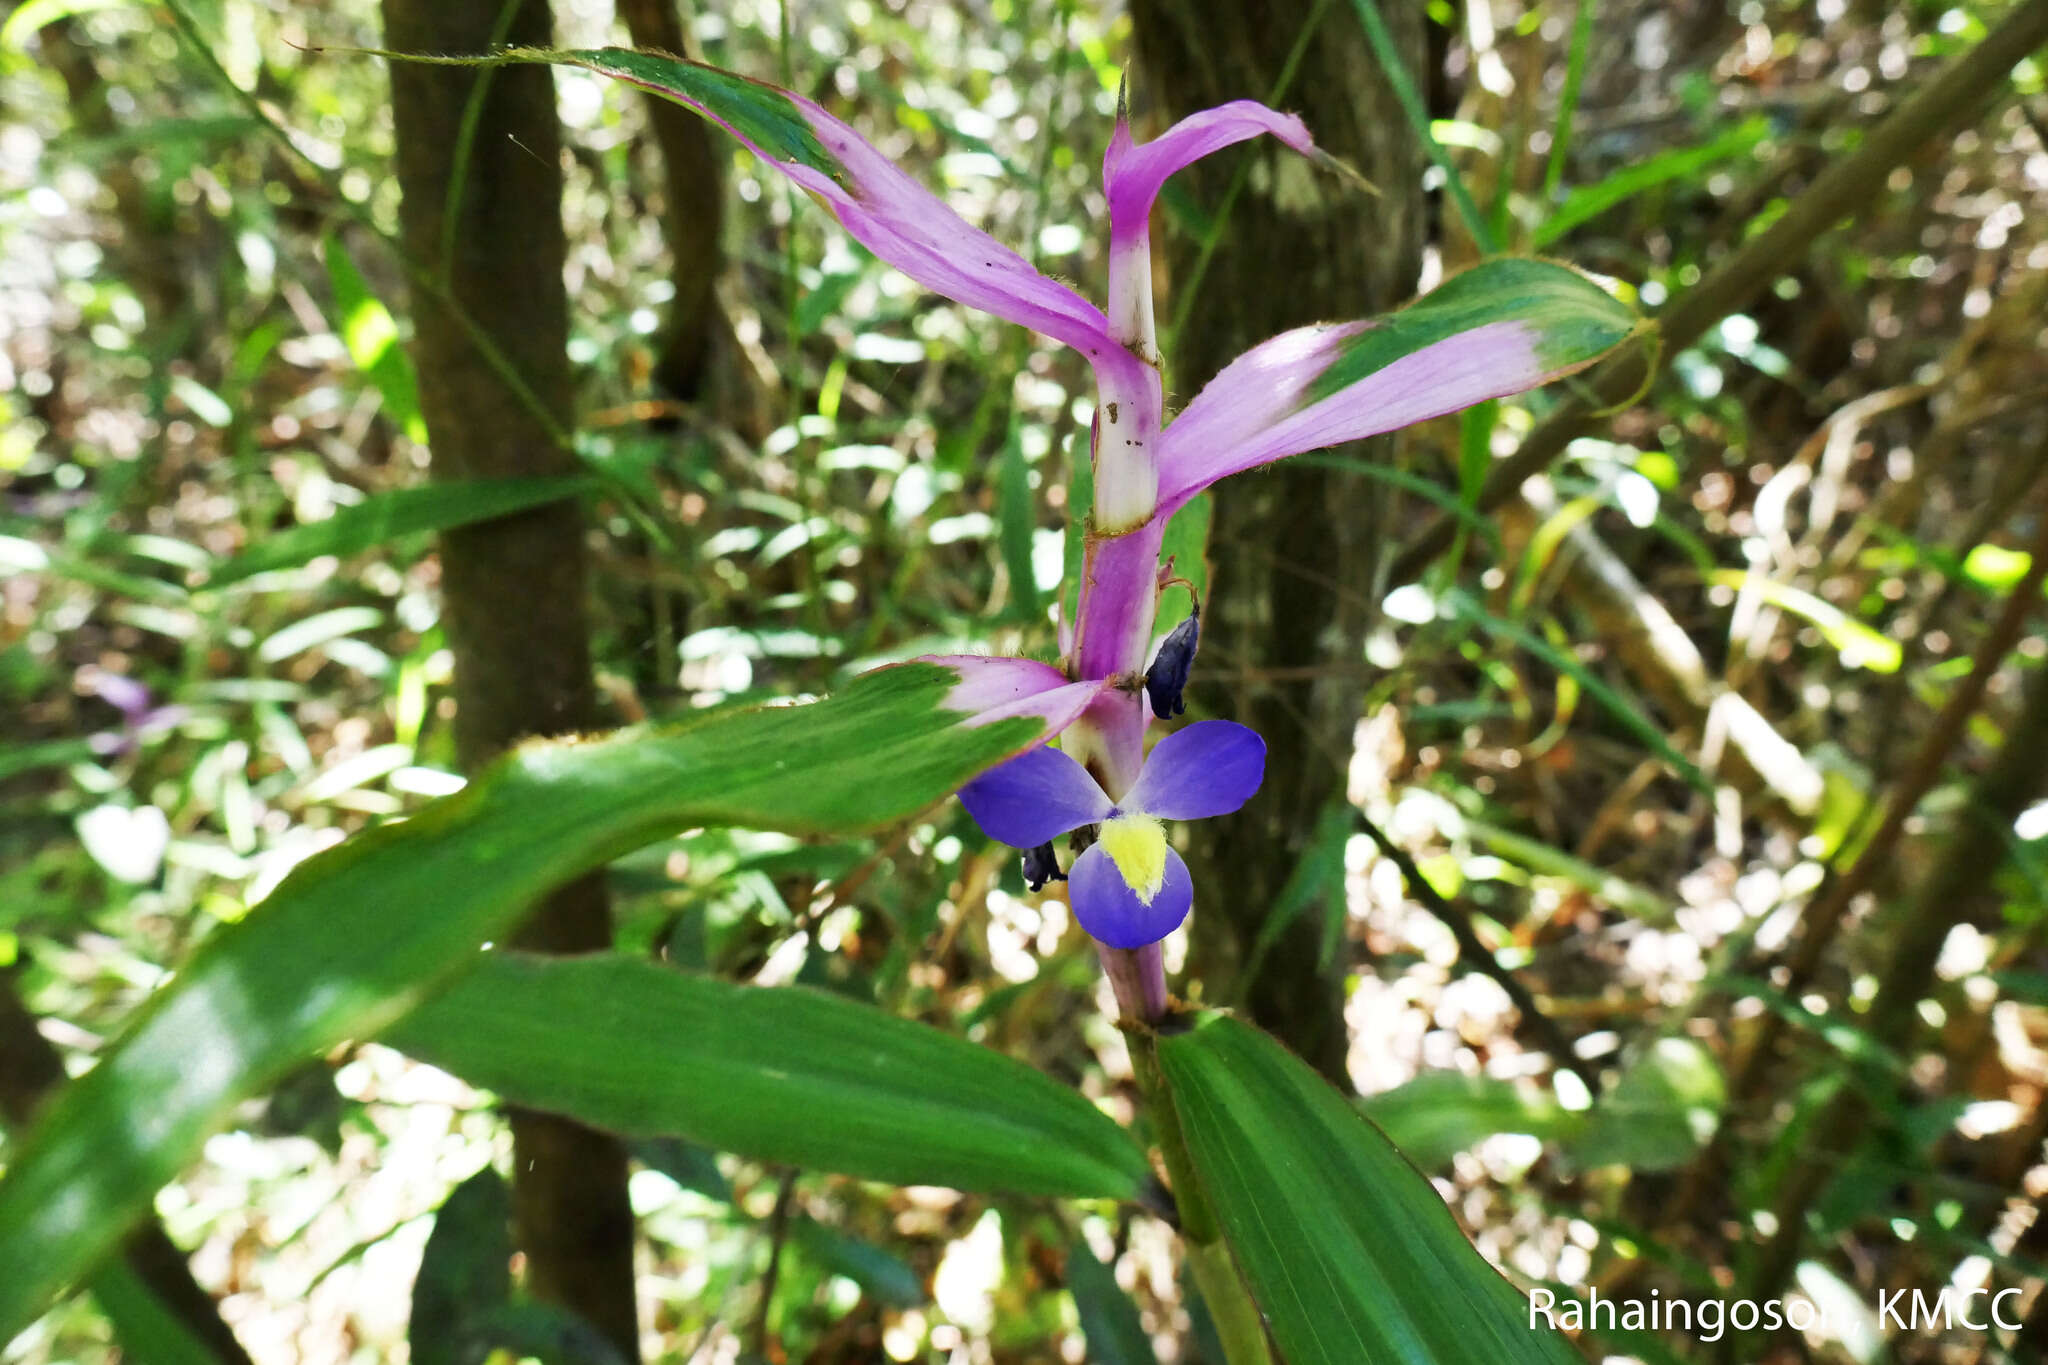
<point>1034,798</point>
<point>1498,329</point>
<point>1132,173</point>
<point>879,205</point>
<point>1209,768</point>
<point>1114,914</point>
<point>992,689</point>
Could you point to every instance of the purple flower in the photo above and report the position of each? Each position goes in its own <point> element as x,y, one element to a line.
<point>1499,328</point>
<point>1129,888</point>
<point>140,718</point>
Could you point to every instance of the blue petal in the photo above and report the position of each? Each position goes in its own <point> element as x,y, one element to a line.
<point>1209,768</point>
<point>1033,798</point>
<point>1111,912</point>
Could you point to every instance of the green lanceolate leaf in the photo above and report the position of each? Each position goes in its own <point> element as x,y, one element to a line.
<point>1350,1252</point>
<point>769,118</point>
<point>788,1076</point>
<point>359,934</point>
<point>1658,1115</point>
<point>1441,1113</point>
<point>386,516</point>
<point>885,1278</point>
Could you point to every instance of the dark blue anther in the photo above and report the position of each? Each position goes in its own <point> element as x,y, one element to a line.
<point>1040,867</point>
<point>1168,676</point>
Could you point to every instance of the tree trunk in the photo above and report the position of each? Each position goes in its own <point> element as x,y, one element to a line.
<point>513,588</point>
<point>1294,549</point>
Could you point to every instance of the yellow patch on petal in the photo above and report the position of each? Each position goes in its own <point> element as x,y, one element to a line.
<point>1137,845</point>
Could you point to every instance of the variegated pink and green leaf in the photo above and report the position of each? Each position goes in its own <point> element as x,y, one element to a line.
<point>879,205</point>
<point>1500,328</point>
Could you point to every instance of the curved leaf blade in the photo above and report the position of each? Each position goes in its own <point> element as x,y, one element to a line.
<point>344,947</point>
<point>786,1075</point>
<point>1349,1251</point>
<point>1502,327</point>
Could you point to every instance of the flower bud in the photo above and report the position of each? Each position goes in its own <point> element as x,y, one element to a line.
<point>1167,678</point>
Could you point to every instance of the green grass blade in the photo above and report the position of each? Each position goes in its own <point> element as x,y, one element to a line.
<point>1592,200</point>
<point>1410,99</point>
<point>371,336</point>
<point>143,1323</point>
<point>1018,507</point>
<point>1568,98</point>
<point>1465,608</point>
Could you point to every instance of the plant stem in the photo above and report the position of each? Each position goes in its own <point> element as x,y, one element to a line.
<point>1238,1324</point>
<point>1138,976</point>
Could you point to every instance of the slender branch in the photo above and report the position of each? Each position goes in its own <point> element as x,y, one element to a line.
<point>1823,915</point>
<point>1475,953</point>
<point>1978,845</point>
<point>778,1237</point>
<point>1946,102</point>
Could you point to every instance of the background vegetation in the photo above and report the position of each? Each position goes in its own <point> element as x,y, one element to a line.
<point>1656,847</point>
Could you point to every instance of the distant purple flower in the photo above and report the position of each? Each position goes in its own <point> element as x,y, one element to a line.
<point>139,717</point>
<point>1129,889</point>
